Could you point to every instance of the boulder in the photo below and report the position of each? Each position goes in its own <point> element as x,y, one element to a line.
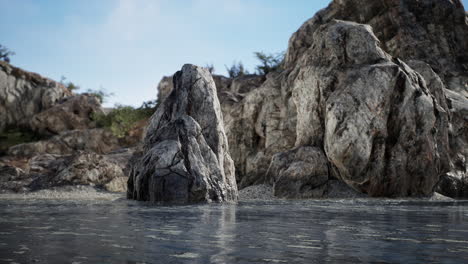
<point>70,113</point>
<point>376,118</point>
<point>185,156</point>
<point>89,169</point>
<point>299,173</point>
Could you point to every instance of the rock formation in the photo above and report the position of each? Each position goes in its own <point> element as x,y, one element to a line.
<point>24,94</point>
<point>382,106</point>
<point>185,156</point>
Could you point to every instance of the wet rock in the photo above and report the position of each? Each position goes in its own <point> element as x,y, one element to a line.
<point>72,113</point>
<point>185,157</point>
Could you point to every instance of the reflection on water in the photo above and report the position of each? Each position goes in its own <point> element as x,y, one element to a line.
<point>124,231</point>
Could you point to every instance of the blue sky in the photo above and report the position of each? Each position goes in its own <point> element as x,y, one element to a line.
<point>127,46</point>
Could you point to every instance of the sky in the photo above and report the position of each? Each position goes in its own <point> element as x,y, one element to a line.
<point>127,46</point>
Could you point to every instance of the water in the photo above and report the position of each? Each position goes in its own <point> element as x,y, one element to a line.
<point>355,231</point>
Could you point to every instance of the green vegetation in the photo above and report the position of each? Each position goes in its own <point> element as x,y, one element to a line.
<point>5,53</point>
<point>69,85</point>
<point>124,118</point>
<point>268,62</point>
<point>236,70</point>
<point>14,136</point>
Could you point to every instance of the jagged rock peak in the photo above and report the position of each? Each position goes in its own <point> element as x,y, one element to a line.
<point>186,156</point>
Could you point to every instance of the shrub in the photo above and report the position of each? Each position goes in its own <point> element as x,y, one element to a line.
<point>5,53</point>
<point>123,118</point>
<point>236,70</point>
<point>269,62</point>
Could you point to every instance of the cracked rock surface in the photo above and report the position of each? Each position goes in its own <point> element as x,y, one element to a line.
<point>185,157</point>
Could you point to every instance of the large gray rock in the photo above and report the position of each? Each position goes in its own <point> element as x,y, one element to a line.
<point>383,141</point>
<point>186,155</point>
<point>24,94</point>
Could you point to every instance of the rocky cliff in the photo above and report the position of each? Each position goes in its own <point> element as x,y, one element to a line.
<point>371,93</point>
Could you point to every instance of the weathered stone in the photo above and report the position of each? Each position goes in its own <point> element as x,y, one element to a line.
<point>382,141</point>
<point>96,140</point>
<point>87,169</point>
<point>24,94</point>
<point>185,156</point>
<point>299,173</point>
<point>433,31</point>
<point>71,113</point>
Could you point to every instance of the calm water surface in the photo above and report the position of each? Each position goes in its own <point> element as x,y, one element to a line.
<point>355,231</point>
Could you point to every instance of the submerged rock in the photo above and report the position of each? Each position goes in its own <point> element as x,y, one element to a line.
<point>185,157</point>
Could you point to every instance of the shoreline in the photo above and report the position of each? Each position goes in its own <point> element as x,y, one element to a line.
<point>261,192</point>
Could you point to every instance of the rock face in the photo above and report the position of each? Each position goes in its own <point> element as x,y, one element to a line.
<point>71,113</point>
<point>24,94</point>
<point>433,31</point>
<point>379,107</point>
<point>185,156</point>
